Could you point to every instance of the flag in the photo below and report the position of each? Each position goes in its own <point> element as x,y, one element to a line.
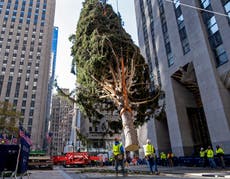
<point>14,140</point>
<point>24,135</point>
<point>4,139</point>
<point>49,137</point>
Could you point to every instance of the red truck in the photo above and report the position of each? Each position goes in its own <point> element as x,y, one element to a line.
<point>59,159</point>
<point>72,159</point>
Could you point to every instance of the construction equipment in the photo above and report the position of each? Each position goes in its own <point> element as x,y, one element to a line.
<point>39,159</point>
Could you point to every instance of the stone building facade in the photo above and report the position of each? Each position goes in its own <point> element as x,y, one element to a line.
<point>188,52</point>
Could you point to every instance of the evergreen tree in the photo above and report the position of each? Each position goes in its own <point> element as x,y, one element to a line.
<point>111,72</point>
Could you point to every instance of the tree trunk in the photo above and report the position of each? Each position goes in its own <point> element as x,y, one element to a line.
<point>131,141</point>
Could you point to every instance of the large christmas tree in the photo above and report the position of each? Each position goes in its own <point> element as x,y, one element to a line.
<point>110,70</point>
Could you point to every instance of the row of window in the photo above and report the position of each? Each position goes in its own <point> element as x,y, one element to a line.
<point>214,36</point>
<point>181,27</point>
<point>22,12</point>
<point>211,24</point>
<point>146,41</point>
<point>154,47</point>
<point>165,34</point>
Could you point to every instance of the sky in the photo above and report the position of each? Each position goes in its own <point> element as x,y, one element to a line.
<point>66,17</point>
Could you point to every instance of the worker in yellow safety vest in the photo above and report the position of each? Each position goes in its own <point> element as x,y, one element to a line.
<point>210,156</point>
<point>118,153</point>
<point>163,158</point>
<point>202,156</point>
<point>220,155</point>
<point>151,157</point>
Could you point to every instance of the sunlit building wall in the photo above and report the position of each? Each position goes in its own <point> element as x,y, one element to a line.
<point>25,59</point>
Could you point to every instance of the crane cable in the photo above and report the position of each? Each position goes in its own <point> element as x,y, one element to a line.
<point>200,9</point>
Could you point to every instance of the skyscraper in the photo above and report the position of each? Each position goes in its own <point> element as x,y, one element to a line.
<point>186,44</point>
<point>51,82</point>
<point>61,122</point>
<point>25,57</point>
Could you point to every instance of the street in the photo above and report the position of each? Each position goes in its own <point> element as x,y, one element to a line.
<point>77,173</point>
<point>60,174</point>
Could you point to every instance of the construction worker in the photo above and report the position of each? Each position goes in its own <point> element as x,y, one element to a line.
<point>202,156</point>
<point>163,158</point>
<point>118,153</point>
<point>220,155</point>
<point>210,156</point>
<point>151,157</point>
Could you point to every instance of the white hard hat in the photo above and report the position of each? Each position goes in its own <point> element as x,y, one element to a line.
<point>148,140</point>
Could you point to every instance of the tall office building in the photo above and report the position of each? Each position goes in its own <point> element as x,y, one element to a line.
<point>61,122</point>
<point>25,56</point>
<point>188,52</point>
<point>51,83</point>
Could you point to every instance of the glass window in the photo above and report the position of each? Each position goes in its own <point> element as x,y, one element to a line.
<point>205,3</point>
<point>30,121</point>
<point>170,59</point>
<point>227,8</point>
<point>168,48</point>
<point>23,111</point>
<point>24,103</point>
<point>32,104</point>
<point>15,102</point>
<point>215,40</point>
<point>182,33</point>
<point>221,55</point>
<point>176,3</point>
<point>31,112</point>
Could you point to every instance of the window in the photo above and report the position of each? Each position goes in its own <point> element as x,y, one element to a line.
<point>30,122</point>
<point>8,88</point>
<point>24,103</point>
<point>1,82</point>
<point>226,4</point>
<point>212,25</point>
<point>23,111</point>
<point>215,40</point>
<point>15,102</point>
<point>181,27</point>
<point>205,3</point>
<point>31,112</point>
<point>221,55</point>
<point>24,94</point>
<point>32,104</point>
<point>33,96</point>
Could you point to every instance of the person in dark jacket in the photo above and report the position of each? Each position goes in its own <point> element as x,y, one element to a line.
<point>220,155</point>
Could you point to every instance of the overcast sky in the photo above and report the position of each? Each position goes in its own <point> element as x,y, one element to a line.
<point>66,18</point>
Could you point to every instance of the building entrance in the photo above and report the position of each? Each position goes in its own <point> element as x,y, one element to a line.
<point>194,112</point>
<point>199,127</point>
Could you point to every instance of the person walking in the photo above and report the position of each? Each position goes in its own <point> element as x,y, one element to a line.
<point>118,153</point>
<point>210,156</point>
<point>202,156</point>
<point>150,156</point>
<point>220,155</point>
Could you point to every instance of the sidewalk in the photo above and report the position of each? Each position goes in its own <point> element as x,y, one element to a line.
<point>186,171</point>
<point>167,171</point>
